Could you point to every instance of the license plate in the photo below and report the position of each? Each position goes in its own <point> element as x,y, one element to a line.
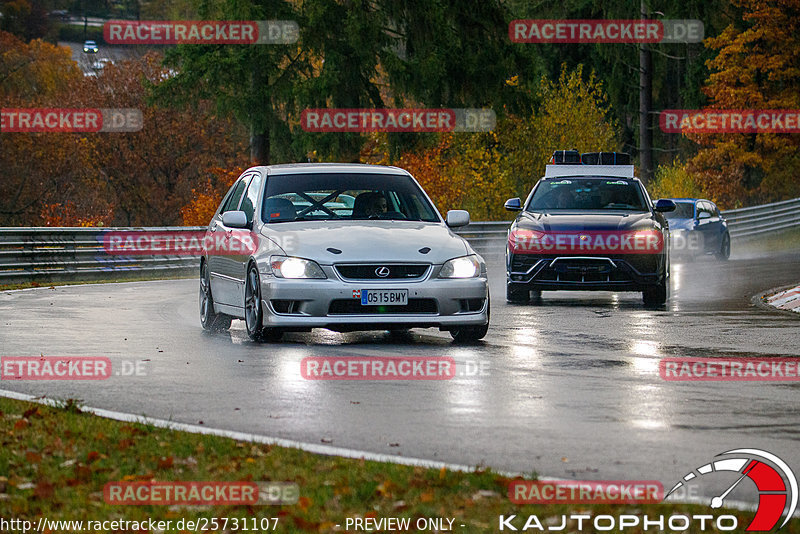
<point>384,297</point>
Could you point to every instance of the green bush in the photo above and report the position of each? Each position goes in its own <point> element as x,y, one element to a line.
<point>674,181</point>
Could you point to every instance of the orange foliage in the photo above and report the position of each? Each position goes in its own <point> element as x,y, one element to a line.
<point>138,178</point>
<point>67,215</point>
<point>756,68</point>
<point>430,168</point>
<point>206,199</point>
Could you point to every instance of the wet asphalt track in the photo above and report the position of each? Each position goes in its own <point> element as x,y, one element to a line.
<point>570,386</point>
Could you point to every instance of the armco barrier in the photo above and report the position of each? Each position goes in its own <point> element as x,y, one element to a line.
<point>65,254</point>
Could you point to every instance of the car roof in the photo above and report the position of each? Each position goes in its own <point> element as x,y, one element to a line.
<point>306,168</point>
<point>687,199</point>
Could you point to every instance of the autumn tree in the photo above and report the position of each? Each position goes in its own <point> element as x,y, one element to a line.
<point>37,169</point>
<point>479,171</point>
<point>151,174</point>
<point>134,178</point>
<point>757,66</point>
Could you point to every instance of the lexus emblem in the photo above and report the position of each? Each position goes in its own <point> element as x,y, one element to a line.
<point>383,272</point>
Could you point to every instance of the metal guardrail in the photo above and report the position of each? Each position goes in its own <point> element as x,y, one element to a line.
<point>758,220</point>
<point>46,254</point>
<point>64,254</point>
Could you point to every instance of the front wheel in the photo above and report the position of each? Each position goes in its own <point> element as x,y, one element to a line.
<point>253,313</point>
<point>724,251</point>
<point>656,295</point>
<point>472,333</point>
<point>210,320</point>
<point>516,294</point>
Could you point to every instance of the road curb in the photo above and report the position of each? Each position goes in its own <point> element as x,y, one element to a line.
<point>785,299</point>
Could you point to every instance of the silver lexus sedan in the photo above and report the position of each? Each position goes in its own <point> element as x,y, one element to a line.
<point>339,246</point>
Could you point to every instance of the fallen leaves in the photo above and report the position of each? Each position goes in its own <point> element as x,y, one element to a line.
<point>44,489</point>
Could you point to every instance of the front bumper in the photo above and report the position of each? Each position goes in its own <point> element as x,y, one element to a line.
<point>433,302</point>
<point>631,272</point>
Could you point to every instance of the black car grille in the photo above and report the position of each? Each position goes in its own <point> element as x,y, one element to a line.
<point>370,271</point>
<point>354,307</point>
<point>583,270</point>
<point>644,263</point>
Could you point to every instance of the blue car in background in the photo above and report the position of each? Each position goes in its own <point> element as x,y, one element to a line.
<point>697,228</point>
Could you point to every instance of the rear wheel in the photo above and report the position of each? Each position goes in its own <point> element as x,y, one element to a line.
<point>724,251</point>
<point>473,333</point>
<point>210,320</point>
<point>253,313</point>
<point>516,294</point>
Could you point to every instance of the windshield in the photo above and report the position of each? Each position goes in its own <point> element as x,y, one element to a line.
<point>588,194</point>
<point>683,210</point>
<point>356,196</point>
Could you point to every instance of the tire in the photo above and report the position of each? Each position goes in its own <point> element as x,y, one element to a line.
<point>472,333</point>
<point>724,251</point>
<point>655,295</point>
<point>253,313</point>
<point>517,295</point>
<point>211,321</point>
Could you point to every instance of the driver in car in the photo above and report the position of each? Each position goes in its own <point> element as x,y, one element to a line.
<point>376,205</point>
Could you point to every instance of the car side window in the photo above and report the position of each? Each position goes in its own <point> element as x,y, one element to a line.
<point>233,201</point>
<point>251,198</point>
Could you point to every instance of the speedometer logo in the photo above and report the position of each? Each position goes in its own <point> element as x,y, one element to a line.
<point>776,483</point>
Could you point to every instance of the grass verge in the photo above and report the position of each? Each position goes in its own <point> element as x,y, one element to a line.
<point>55,461</point>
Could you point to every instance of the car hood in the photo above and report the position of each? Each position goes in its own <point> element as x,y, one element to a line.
<point>577,221</point>
<point>367,241</point>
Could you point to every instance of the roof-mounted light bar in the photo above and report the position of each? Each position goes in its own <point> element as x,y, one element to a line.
<point>573,157</point>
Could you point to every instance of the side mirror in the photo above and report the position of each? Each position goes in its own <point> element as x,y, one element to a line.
<point>664,205</point>
<point>456,218</point>
<point>513,204</point>
<point>234,219</point>
<point>703,215</point>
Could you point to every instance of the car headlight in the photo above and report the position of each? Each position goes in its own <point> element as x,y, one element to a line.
<point>463,267</point>
<point>291,267</point>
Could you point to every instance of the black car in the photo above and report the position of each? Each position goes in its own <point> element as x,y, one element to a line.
<point>588,227</point>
